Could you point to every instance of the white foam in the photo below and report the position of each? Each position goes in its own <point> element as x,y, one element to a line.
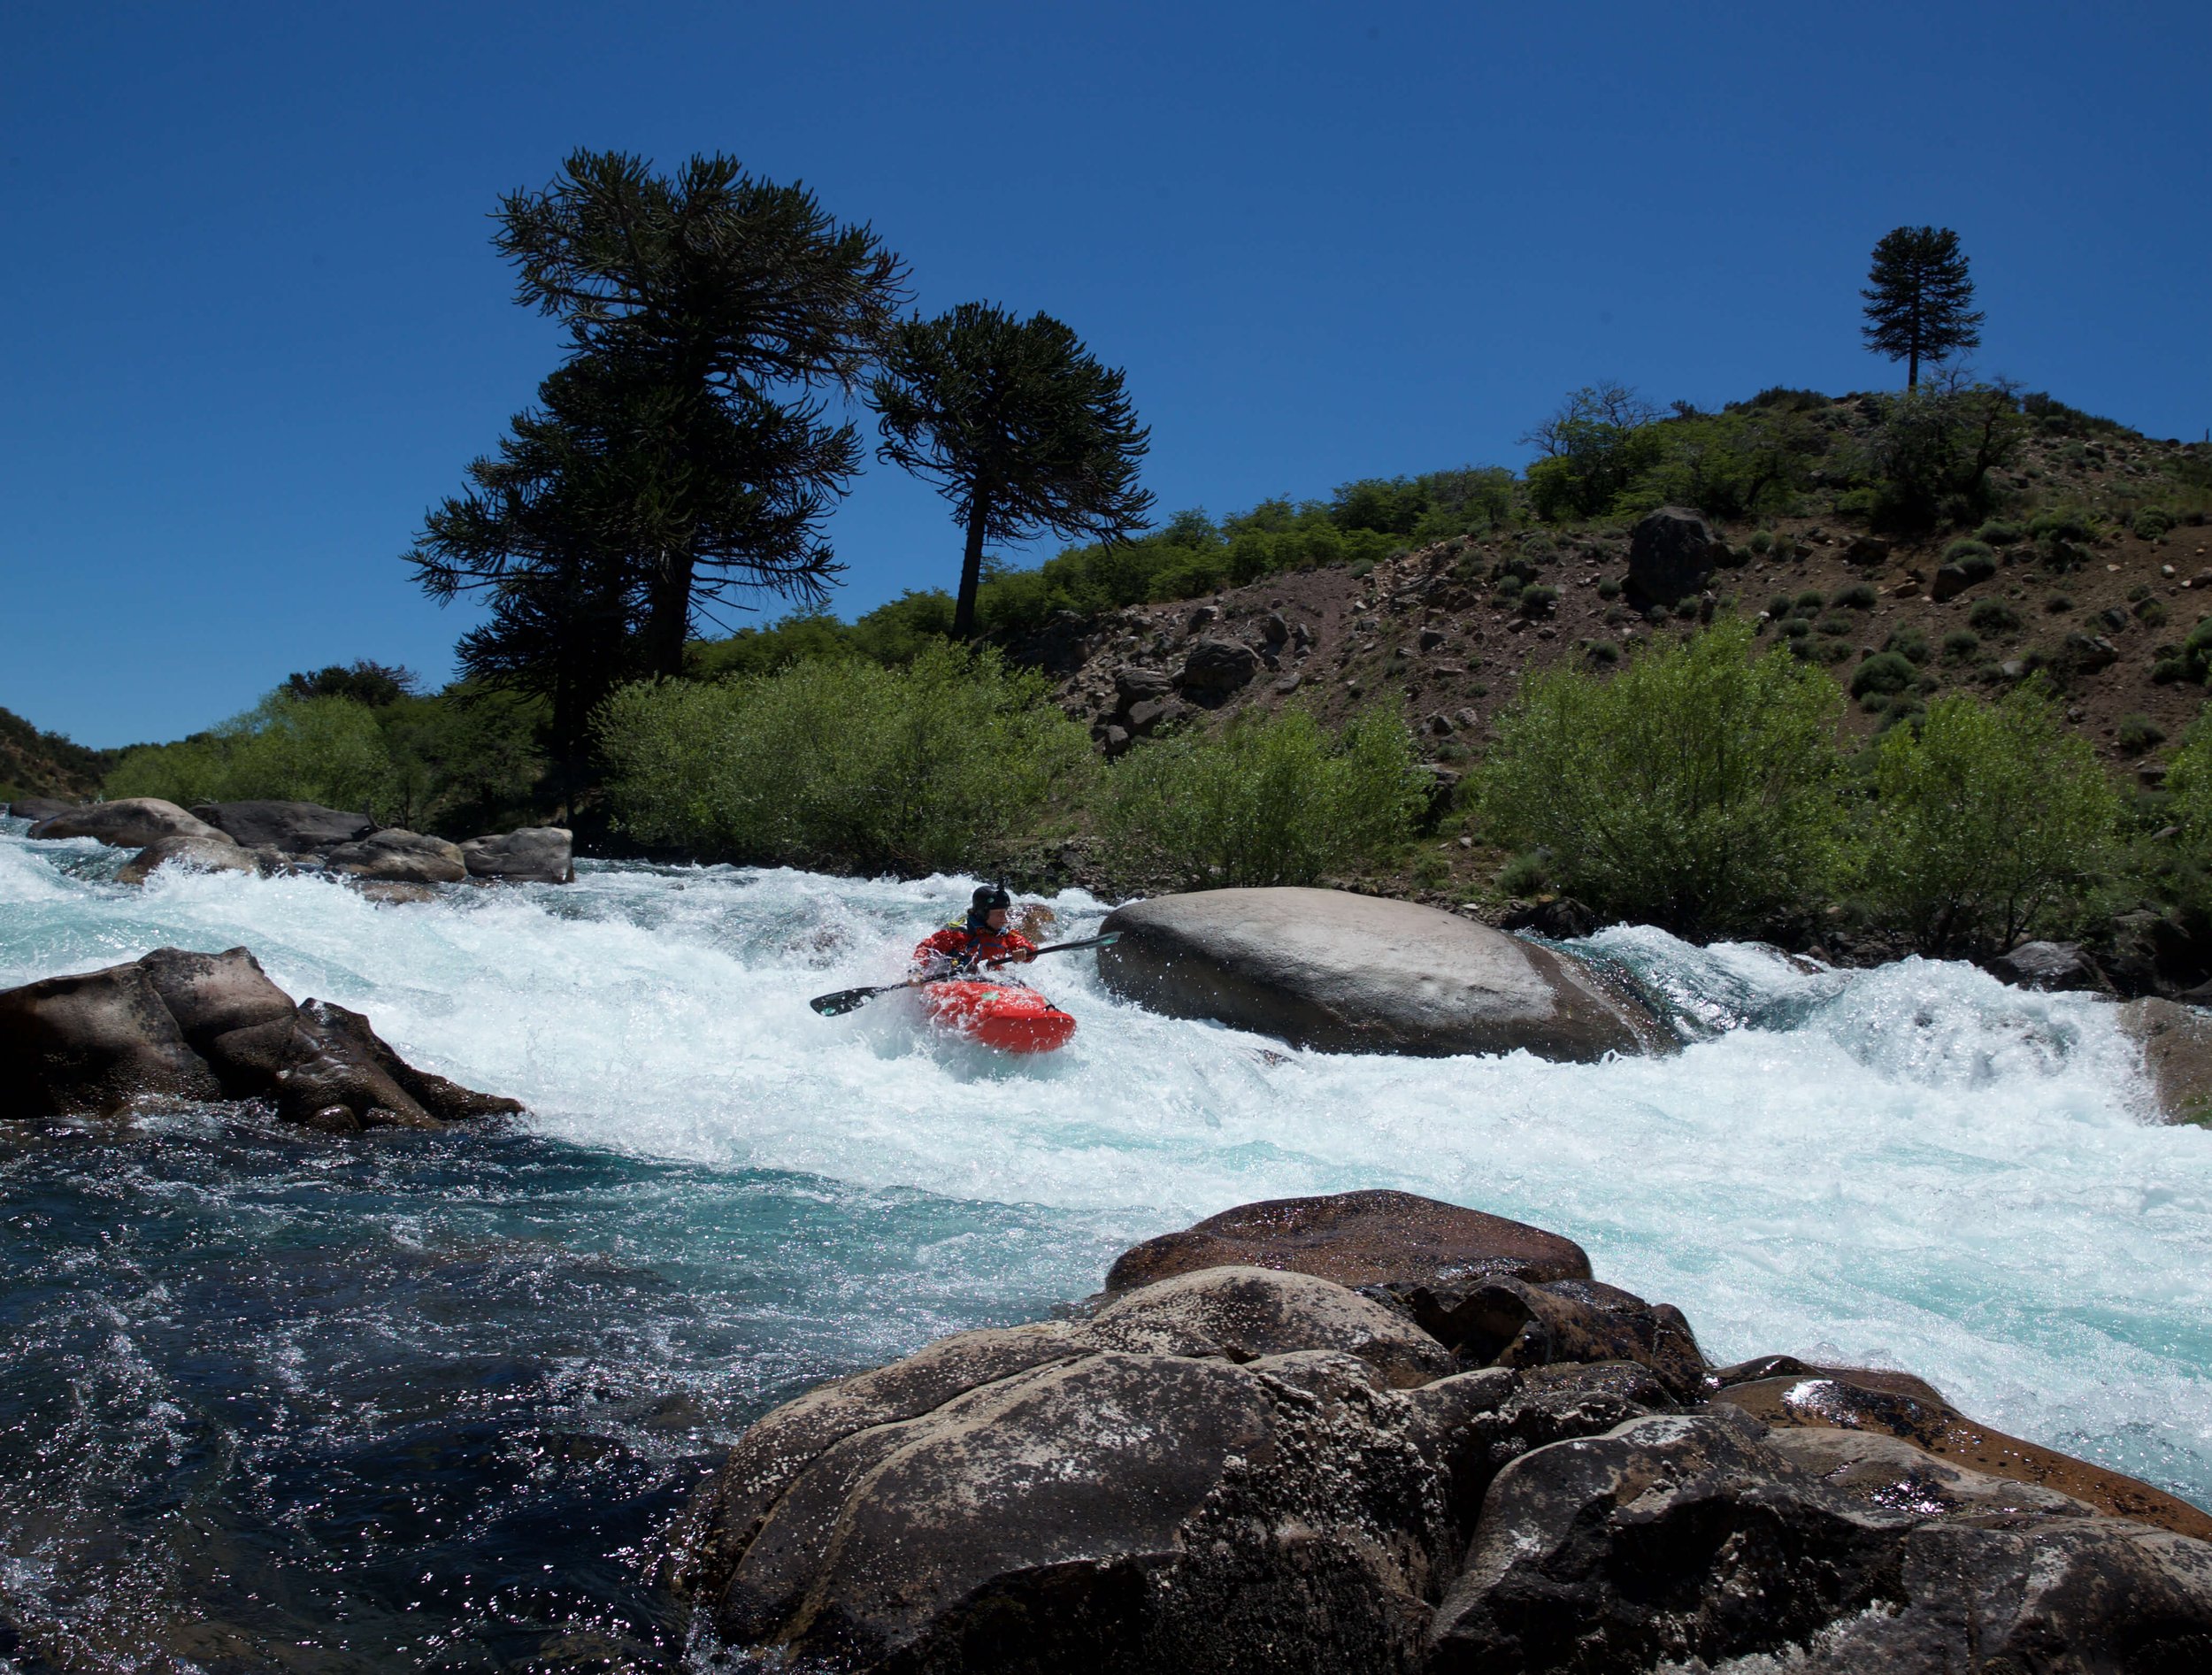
<point>1915,1166</point>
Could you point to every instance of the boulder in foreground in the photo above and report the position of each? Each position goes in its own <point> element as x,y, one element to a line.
<point>1356,974</point>
<point>204,1026</point>
<point>1245,1468</point>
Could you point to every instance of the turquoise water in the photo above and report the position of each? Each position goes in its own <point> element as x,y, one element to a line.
<point>407,1401</point>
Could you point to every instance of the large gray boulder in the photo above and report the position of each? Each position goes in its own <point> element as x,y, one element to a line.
<point>2177,1043</point>
<point>1672,553</point>
<point>1683,1541</point>
<point>36,808</point>
<point>294,828</point>
<point>527,855</point>
<point>1213,669</point>
<point>394,855</point>
<point>213,853</point>
<point>1356,973</point>
<point>208,1027</point>
<point>91,1044</point>
<point>1236,1491</point>
<point>127,823</point>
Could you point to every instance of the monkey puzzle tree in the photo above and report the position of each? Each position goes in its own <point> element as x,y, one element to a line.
<point>1018,426</point>
<point>1919,299</point>
<point>721,303</point>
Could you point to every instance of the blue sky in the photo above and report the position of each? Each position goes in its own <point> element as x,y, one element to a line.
<point>253,325</point>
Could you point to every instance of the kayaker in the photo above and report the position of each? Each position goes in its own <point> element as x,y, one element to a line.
<point>960,948</point>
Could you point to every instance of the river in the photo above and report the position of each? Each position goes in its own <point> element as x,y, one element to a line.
<point>404,1402</point>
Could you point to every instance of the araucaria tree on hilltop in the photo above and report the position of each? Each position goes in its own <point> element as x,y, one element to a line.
<point>1919,299</point>
<point>1019,426</point>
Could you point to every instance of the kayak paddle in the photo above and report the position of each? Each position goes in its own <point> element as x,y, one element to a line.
<point>847,1000</point>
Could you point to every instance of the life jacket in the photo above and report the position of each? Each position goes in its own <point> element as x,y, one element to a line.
<point>961,948</point>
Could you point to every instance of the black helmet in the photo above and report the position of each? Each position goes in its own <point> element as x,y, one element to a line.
<point>987,896</point>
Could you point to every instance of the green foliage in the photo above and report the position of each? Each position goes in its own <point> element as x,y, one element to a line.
<point>1997,533</point>
<point>1538,601</point>
<point>1020,428</point>
<point>2056,419</point>
<point>2151,522</point>
<point>1528,873</point>
<point>327,750</point>
<point>1987,816</point>
<point>1931,451</point>
<point>841,763</point>
<point>1993,616</point>
<point>1960,645</point>
<point>1269,801</point>
<point>1695,789</point>
<point>2151,613</point>
<point>1811,599</point>
<point>2189,781</point>
<point>1883,673</point>
<point>373,684</point>
<point>1860,596</point>
<point>1609,589</point>
<point>466,761</point>
<point>1599,442</point>
<point>2139,732</point>
<point>1965,548</point>
<point>38,764</point>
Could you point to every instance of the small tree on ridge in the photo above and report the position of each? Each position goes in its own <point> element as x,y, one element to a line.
<point>1920,299</point>
<point>1019,426</point>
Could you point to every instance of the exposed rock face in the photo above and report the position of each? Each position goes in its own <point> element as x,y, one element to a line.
<point>1843,1399</point>
<point>1672,553</point>
<point>1355,973</point>
<point>1213,669</point>
<point>36,808</point>
<point>212,854</point>
<point>296,828</point>
<point>128,823</point>
<point>87,1045</point>
<point>1673,1538</point>
<point>1372,1238</point>
<point>2177,1043</point>
<point>2047,965</point>
<point>397,856</point>
<point>528,854</point>
<point>208,1027</point>
<point>1243,1468</point>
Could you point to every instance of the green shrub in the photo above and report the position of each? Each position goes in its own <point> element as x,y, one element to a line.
<point>1995,616</point>
<point>2064,524</point>
<point>1609,589</point>
<point>1602,651</point>
<point>1839,625</point>
<point>2165,671</point>
<point>1811,599</point>
<point>1763,541</point>
<point>2138,733</point>
<point>1858,596</point>
<point>1961,644</point>
<point>1538,601</point>
<point>1695,789</point>
<point>1985,817</point>
<point>1271,800</point>
<point>1997,533</point>
<point>1884,672</point>
<point>1908,643</point>
<point>842,763</point>
<point>2151,522</point>
<point>2151,613</point>
<point>1966,547</point>
<point>1781,605</point>
<point>2058,605</point>
<point>2189,781</point>
<point>1796,628</point>
<point>1528,873</point>
<point>328,750</point>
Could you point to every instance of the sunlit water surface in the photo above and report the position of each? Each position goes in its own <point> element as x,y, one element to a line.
<point>406,1401</point>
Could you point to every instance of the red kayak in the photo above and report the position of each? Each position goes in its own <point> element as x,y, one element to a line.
<point>1002,1016</point>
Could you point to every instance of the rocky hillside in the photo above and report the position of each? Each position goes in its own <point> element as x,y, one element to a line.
<point>2069,584</point>
<point>34,763</point>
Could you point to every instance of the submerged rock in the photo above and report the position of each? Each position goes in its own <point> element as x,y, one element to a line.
<point>1354,974</point>
<point>1251,1468</point>
<point>214,853</point>
<point>207,1026</point>
<point>128,823</point>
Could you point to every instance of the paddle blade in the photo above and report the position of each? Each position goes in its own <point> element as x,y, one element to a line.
<point>846,1000</point>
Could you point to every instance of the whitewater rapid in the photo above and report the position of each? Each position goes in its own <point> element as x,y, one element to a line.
<point>1914,1166</point>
